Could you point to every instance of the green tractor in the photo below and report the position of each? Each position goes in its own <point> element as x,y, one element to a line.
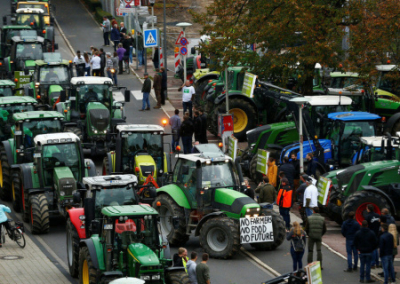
<point>139,150</point>
<point>206,196</point>
<point>13,150</point>
<point>7,88</point>
<point>45,186</point>
<point>91,111</point>
<point>15,4</point>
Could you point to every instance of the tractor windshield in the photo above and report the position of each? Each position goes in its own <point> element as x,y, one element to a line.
<point>114,197</point>
<point>218,174</point>
<point>388,81</point>
<point>6,91</point>
<point>29,51</point>
<point>49,74</point>
<point>319,113</point>
<point>32,20</point>
<point>15,109</point>
<point>59,155</point>
<point>36,127</point>
<point>94,93</point>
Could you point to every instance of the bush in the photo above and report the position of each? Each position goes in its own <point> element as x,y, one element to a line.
<point>99,14</point>
<point>93,4</point>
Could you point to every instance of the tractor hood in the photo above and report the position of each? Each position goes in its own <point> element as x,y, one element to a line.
<point>147,166</point>
<point>64,181</point>
<point>308,147</point>
<point>143,254</point>
<point>98,116</point>
<point>234,203</point>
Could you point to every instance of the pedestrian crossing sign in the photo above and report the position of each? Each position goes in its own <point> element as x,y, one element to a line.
<point>150,38</point>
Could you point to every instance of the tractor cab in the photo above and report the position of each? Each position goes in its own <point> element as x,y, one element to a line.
<point>7,88</point>
<point>44,6</point>
<point>388,85</point>
<point>7,33</point>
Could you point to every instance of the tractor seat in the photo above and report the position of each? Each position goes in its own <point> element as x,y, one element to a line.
<point>129,226</point>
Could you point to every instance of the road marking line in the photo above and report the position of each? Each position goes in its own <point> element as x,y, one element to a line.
<point>137,95</point>
<point>118,97</point>
<point>259,262</point>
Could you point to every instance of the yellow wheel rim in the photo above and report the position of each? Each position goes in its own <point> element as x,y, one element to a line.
<point>85,272</point>
<point>1,175</point>
<point>240,119</point>
<point>13,191</point>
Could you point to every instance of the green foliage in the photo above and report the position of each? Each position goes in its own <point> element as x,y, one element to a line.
<point>93,4</point>
<point>99,14</point>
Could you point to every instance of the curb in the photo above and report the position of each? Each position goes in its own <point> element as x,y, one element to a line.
<point>259,262</point>
<point>64,37</point>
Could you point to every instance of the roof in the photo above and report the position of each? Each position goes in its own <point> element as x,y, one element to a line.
<point>91,80</point>
<point>112,180</point>
<point>376,141</point>
<point>17,27</point>
<point>55,138</point>
<point>5,83</point>
<point>386,67</point>
<point>353,116</point>
<point>16,100</point>
<point>140,127</point>
<point>28,40</point>
<point>37,115</point>
<point>208,152</point>
<point>344,74</point>
<point>327,100</point>
<point>128,210</point>
<point>30,10</point>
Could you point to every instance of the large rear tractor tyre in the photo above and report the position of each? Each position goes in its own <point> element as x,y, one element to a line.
<point>244,117</point>
<point>16,192</point>
<point>106,168</point>
<point>359,201</point>
<point>333,199</point>
<point>76,130</point>
<point>254,175</point>
<point>72,249</point>
<point>5,176</point>
<point>177,277</point>
<point>200,93</point>
<point>40,222</point>
<point>278,225</point>
<point>169,208</point>
<point>220,237</point>
<point>87,271</point>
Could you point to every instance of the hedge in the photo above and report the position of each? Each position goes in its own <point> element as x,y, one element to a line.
<point>93,4</point>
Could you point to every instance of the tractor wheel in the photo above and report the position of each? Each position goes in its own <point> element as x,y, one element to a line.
<point>200,93</point>
<point>72,249</point>
<point>168,209</point>
<point>244,117</point>
<point>40,222</point>
<point>220,237</point>
<point>278,225</point>
<point>212,122</point>
<point>254,175</point>
<point>177,277</point>
<point>16,192</point>
<point>76,130</point>
<point>395,128</point>
<point>359,201</point>
<point>245,158</point>
<point>87,271</point>
<point>5,176</point>
<point>106,168</point>
<point>332,215</point>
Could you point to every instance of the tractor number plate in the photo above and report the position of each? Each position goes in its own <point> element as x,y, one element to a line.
<point>37,155</point>
<point>18,132</point>
<point>108,227</point>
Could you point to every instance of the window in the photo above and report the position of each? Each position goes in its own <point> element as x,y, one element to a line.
<point>31,51</point>
<point>94,93</point>
<point>36,127</point>
<point>5,92</point>
<point>54,74</point>
<point>115,196</point>
<point>28,20</point>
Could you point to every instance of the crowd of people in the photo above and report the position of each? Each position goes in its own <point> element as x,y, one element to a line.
<point>198,273</point>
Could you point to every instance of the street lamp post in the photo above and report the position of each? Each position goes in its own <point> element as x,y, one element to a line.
<point>152,2</point>
<point>183,25</point>
<point>300,101</point>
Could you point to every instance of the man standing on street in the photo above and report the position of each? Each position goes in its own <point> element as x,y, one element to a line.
<point>272,171</point>
<point>386,245</point>
<point>157,87</point>
<point>296,165</point>
<point>191,268</point>
<point>267,193</point>
<point>285,201</point>
<point>146,92</point>
<point>187,93</point>
<point>203,117</point>
<point>197,126</point>
<point>106,30</point>
<point>180,258</point>
<point>349,229</point>
<point>163,85</point>
<point>315,229</point>
<point>175,122</point>
<point>140,49</point>
<point>202,271</point>
<point>289,171</point>
<point>79,63</point>
<point>365,242</point>
<point>389,218</point>
<point>310,196</point>
<point>374,223</point>
<point>186,133</point>
<point>311,166</point>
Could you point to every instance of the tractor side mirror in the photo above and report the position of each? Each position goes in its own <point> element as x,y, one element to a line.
<point>63,96</point>
<point>56,46</point>
<point>127,96</point>
<point>185,170</point>
<point>26,72</point>
<point>76,197</point>
<point>193,50</point>
<point>51,20</point>
<point>95,227</point>
<point>175,222</point>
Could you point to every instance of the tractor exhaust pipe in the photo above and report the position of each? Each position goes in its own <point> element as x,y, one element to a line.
<point>240,174</point>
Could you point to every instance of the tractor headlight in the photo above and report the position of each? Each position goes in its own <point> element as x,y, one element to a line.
<point>95,131</point>
<point>155,277</point>
<point>161,171</point>
<point>145,277</point>
<point>62,193</point>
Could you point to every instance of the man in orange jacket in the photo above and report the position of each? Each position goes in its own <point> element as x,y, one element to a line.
<point>272,171</point>
<point>284,201</point>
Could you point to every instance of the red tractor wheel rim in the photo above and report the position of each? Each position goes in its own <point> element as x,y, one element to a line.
<point>361,210</point>
<point>104,171</point>
<point>203,95</point>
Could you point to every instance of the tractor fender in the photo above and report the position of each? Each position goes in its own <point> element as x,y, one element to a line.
<point>110,156</point>
<point>7,148</point>
<point>206,77</point>
<point>176,194</point>
<point>379,191</point>
<point>92,251</point>
<point>275,147</point>
<point>74,215</point>
<point>173,268</point>
<point>221,98</point>
<point>91,168</point>
<point>26,172</point>
<point>50,33</point>
<point>205,219</point>
<point>392,121</point>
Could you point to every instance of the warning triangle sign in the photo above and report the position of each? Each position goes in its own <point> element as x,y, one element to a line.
<point>150,39</point>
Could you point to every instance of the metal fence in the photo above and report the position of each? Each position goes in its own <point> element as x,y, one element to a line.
<point>108,6</point>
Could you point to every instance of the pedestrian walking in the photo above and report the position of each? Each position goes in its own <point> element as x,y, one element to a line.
<point>296,165</point>
<point>4,219</point>
<point>197,126</point>
<point>87,63</point>
<point>365,242</point>
<point>349,229</point>
<point>315,229</point>
<point>186,133</point>
<point>79,63</point>
<point>289,170</point>
<point>311,166</point>
<point>102,62</point>
<point>130,48</point>
<point>115,60</point>
<point>163,85</point>
<point>157,87</point>
<point>106,30</point>
<point>180,258</point>
<point>297,238</point>
<point>115,36</point>
<point>156,58</point>
<point>121,52</point>
<point>95,62</point>
<point>386,246</point>
<point>310,196</point>
<point>187,96</point>
<point>202,270</point>
<point>267,193</point>
<point>175,122</point>
<point>146,88</point>
<point>373,220</point>
<point>191,267</point>
<point>284,201</point>
<point>203,117</point>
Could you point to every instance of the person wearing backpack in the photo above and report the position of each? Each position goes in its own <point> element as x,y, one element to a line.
<point>297,238</point>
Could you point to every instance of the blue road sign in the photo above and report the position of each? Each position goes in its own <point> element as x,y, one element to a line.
<point>183,50</point>
<point>150,38</point>
<point>184,41</point>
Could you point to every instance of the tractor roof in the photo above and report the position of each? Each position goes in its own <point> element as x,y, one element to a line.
<point>37,115</point>
<point>207,153</point>
<point>353,116</point>
<point>55,138</point>
<point>388,67</point>
<point>17,27</point>
<point>52,58</point>
<point>30,11</point>
<point>344,74</point>
<point>28,39</point>
<point>140,127</point>
<point>91,80</point>
<point>376,141</point>
<point>6,83</point>
<point>128,210</point>
<point>17,100</point>
<point>328,100</point>
<point>112,180</point>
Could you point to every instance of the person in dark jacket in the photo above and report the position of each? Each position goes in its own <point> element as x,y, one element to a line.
<point>163,85</point>
<point>365,242</point>
<point>156,59</point>
<point>115,36</point>
<point>315,229</point>
<point>349,229</point>
<point>311,166</point>
<point>285,201</point>
<point>288,170</point>
<point>122,29</point>
<point>389,218</point>
<point>296,165</point>
<point>300,196</point>
<point>186,133</point>
<point>248,190</point>
<point>386,245</point>
<point>146,92</point>
<point>203,117</point>
<point>197,126</point>
<point>157,87</point>
<point>102,62</point>
<point>373,220</point>
<point>267,193</point>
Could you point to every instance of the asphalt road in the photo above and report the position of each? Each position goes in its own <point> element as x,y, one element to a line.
<point>82,32</point>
